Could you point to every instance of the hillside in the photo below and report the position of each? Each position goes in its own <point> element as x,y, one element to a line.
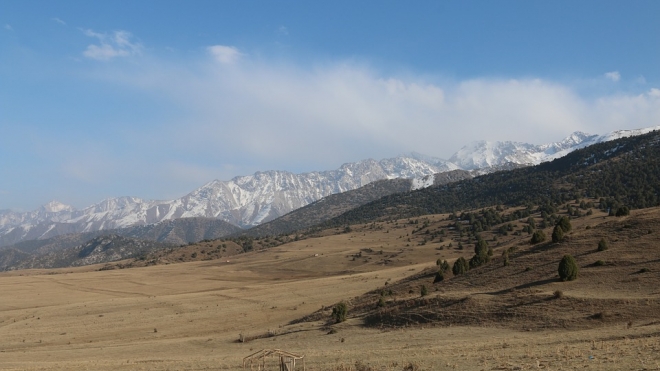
<point>337,204</point>
<point>57,251</point>
<point>616,286</point>
<point>101,249</point>
<point>190,316</point>
<point>328,207</point>
<point>243,201</point>
<point>255,199</point>
<point>623,172</point>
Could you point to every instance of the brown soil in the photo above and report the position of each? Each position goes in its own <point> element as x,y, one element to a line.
<point>189,316</point>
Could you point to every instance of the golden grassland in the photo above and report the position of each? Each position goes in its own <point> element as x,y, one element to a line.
<point>189,316</point>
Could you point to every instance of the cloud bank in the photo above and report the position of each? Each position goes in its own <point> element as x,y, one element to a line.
<point>312,117</point>
<point>239,112</point>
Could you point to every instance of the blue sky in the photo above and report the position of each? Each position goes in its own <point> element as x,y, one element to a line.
<point>155,98</point>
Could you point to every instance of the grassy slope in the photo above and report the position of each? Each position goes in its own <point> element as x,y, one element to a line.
<point>188,316</point>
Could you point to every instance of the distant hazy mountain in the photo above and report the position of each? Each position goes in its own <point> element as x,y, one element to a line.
<point>252,200</point>
<point>101,249</point>
<point>484,154</point>
<point>62,250</point>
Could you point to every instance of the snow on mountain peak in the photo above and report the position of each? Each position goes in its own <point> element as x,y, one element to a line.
<point>254,199</point>
<point>626,133</point>
<point>55,207</point>
<point>480,154</point>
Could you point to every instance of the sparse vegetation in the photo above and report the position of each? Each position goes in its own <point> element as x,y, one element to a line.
<point>602,245</point>
<point>444,265</point>
<point>568,268</point>
<point>622,211</point>
<point>538,237</point>
<point>557,234</point>
<point>460,266</point>
<point>522,301</point>
<point>565,224</point>
<point>339,312</point>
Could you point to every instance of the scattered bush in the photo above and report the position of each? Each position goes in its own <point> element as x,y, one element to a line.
<point>565,223</point>
<point>482,254</point>
<point>381,301</point>
<point>568,268</point>
<point>481,247</point>
<point>460,266</point>
<point>558,294</point>
<point>339,312</point>
<point>599,263</point>
<point>443,264</point>
<point>424,291</point>
<point>359,366</point>
<point>600,315</point>
<point>602,245</point>
<point>538,237</point>
<point>439,277</point>
<point>479,260</point>
<point>622,211</point>
<point>411,367</point>
<point>557,234</point>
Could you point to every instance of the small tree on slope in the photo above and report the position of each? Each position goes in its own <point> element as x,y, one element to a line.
<point>568,268</point>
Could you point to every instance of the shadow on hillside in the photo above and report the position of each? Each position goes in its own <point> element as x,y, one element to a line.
<point>524,286</point>
<point>543,247</point>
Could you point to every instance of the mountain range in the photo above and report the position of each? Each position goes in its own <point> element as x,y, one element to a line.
<point>249,201</point>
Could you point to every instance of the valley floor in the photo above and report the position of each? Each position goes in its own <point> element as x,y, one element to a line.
<point>189,316</point>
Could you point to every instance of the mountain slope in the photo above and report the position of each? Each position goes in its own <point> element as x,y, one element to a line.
<point>252,200</point>
<point>57,249</point>
<point>624,171</point>
<point>485,154</point>
<point>246,200</point>
<point>335,205</point>
<point>329,207</point>
<point>101,249</point>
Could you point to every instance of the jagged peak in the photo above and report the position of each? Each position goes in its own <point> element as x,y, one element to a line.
<point>55,206</point>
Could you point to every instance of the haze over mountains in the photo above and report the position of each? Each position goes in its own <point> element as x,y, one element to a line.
<point>248,201</point>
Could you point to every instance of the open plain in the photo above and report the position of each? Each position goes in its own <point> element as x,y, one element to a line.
<point>190,316</point>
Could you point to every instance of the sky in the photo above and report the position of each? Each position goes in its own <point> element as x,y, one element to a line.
<point>153,99</point>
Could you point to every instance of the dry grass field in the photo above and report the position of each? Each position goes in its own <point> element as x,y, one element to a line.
<point>188,316</point>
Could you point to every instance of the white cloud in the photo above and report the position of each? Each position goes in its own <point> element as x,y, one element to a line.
<point>282,30</point>
<point>55,19</point>
<point>116,44</point>
<point>104,52</point>
<point>224,54</point>
<point>655,93</point>
<point>260,115</point>
<point>8,27</point>
<point>614,76</point>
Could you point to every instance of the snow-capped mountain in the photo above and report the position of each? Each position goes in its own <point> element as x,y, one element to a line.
<point>485,154</point>
<point>254,199</point>
<point>244,200</point>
